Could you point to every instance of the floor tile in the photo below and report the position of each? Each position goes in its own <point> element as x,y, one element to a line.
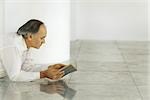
<point>136,58</point>
<point>100,58</point>
<point>142,51</point>
<point>102,78</point>
<point>37,91</point>
<point>141,78</point>
<point>100,50</point>
<point>139,67</point>
<point>145,91</point>
<point>132,44</point>
<point>74,49</point>
<point>101,67</point>
<point>105,92</point>
<point>106,98</point>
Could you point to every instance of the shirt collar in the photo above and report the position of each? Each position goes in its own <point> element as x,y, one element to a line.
<point>21,43</point>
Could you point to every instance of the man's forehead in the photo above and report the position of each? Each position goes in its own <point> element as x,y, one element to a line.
<point>42,30</point>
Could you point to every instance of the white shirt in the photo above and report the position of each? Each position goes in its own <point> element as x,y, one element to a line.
<point>17,62</point>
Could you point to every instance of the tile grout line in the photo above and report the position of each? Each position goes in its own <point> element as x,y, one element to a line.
<point>79,49</point>
<point>76,58</point>
<point>129,71</point>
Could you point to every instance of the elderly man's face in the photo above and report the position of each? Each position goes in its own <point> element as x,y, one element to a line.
<point>39,38</point>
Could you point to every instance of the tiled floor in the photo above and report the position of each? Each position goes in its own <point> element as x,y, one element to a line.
<point>107,70</point>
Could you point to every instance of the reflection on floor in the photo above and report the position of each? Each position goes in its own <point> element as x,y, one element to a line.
<point>107,70</point>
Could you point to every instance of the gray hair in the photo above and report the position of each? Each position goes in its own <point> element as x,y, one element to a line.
<point>32,26</point>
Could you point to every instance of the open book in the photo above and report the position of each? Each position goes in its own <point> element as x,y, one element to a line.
<point>68,69</point>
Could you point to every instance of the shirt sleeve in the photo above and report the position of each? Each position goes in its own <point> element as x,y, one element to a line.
<point>12,62</point>
<point>29,64</point>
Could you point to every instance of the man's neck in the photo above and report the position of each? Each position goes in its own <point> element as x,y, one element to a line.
<point>28,44</point>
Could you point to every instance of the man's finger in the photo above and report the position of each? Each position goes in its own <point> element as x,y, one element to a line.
<point>61,73</point>
<point>59,76</point>
<point>59,66</point>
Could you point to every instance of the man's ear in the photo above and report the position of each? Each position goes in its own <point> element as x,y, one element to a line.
<point>29,36</point>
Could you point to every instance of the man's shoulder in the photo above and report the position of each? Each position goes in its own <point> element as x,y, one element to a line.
<point>11,40</point>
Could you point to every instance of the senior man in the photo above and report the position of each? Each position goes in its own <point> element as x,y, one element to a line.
<point>15,56</point>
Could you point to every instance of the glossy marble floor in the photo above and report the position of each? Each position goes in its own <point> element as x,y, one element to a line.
<point>107,70</point>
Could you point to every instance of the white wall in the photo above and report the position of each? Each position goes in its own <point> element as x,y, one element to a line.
<point>73,20</point>
<point>1,22</point>
<point>148,4</point>
<point>109,19</point>
<point>54,13</point>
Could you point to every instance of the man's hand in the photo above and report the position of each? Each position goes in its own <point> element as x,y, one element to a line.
<point>53,72</point>
<point>57,66</point>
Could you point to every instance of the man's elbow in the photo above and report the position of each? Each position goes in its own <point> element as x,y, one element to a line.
<point>13,78</point>
<point>16,78</point>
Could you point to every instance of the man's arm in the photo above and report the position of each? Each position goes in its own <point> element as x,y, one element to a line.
<point>11,60</point>
<point>29,64</point>
<point>46,71</point>
<point>43,74</point>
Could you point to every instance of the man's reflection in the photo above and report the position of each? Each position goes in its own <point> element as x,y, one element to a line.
<point>59,87</point>
<point>36,91</point>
